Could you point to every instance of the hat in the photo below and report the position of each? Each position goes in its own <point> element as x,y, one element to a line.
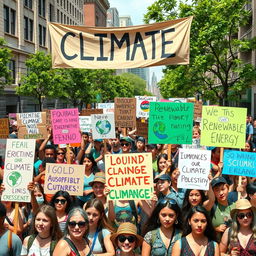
<point>217,181</point>
<point>129,229</point>
<point>98,177</point>
<point>241,204</point>
<point>162,177</point>
<point>141,139</point>
<point>127,139</point>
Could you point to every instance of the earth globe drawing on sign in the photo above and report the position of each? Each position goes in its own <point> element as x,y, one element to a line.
<point>144,106</point>
<point>14,179</point>
<point>103,127</point>
<point>159,130</point>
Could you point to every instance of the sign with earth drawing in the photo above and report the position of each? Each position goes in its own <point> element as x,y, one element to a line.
<point>103,126</point>
<point>18,169</point>
<point>170,123</point>
<point>142,105</point>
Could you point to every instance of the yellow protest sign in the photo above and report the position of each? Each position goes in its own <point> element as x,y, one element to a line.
<point>223,127</point>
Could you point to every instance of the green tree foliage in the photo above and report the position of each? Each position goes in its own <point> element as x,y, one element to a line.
<point>215,71</point>
<point>5,56</point>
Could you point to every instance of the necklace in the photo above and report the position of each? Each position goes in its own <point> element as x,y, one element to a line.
<point>43,237</point>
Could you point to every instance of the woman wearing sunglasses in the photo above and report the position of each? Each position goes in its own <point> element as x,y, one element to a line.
<point>162,229</point>
<point>60,158</point>
<point>99,228</point>
<point>75,241</point>
<point>62,203</point>
<point>126,240</point>
<point>198,237</point>
<point>240,238</point>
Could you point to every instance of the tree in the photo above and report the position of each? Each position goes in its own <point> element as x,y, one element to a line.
<point>215,71</point>
<point>5,56</point>
<point>41,80</point>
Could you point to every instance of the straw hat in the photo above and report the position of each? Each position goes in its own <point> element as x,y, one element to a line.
<point>241,204</point>
<point>98,177</point>
<point>129,229</point>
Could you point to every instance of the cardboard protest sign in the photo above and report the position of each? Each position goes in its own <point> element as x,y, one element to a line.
<point>48,116</point>
<point>223,127</point>
<point>32,125</point>
<point>129,176</point>
<point>91,111</point>
<point>142,129</point>
<point>66,177</point>
<point>125,112</point>
<point>103,126</point>
<point>18,169</point>
<point>198,110</point>
<point>85,123</point>
<point>194,166</point>
<point>239,163</point>
<point>4,128</point>
<point>65,125</point>
<point>107,107</point>
<point>170,123</point>
<point>2,148</point>
<point>142,105</point>
<point>195,145</point>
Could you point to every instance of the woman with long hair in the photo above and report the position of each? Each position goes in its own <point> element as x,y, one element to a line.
<point>162,164</point>
<point>198,237</point>
<point>240,238</point>
<point>62,202</point>
<point>238,189</point>
<point>45,233</point>
<point>162,228</point>
<point>75,241</point>
<point>60,155</point>
<point>99,228</point>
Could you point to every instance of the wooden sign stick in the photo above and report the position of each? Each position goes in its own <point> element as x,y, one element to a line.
<point>169,152</point>
<point>68,155</point>
<point>16,217</point>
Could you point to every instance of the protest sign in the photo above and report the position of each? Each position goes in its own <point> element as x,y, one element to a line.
<point>12,118</point>
<point>32,125</point>
<point>239,163</point>
<point>223,127</point>
<point>91,111</point>
<point>195,145</point>
<point>142,105</point>
<point>48,116</point>
<point>66,177</point>
<point>65,125</point>
<point>107,107</point>
<point>4,128</point>
<point>198,110</point>
<point>142,129</point>
<point>177,100</point>
<point>103,126</point>
<point>18,169</point>
<point>194,166</point>
<point>129,176</point>
<point>85,123</point>
<point>170,123</point>
<point>2,149</point>
<point>125,112</point>
<point>165,43</point>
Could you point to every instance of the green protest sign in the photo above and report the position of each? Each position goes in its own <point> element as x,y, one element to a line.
<point>223,127</point>
<point>170,123</point>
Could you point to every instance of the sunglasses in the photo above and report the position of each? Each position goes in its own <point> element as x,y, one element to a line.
<point>243,215</point>
<point>81,224</point>
<point>62,201</point>
<point>165,201</point>
<point>60,153</point>
<point>125,144</point>
<point>122,239</point>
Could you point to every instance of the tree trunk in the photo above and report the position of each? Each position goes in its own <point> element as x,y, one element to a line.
<point>40,103</point>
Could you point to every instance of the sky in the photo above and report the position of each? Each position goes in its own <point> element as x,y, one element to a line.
<point>136,9</point>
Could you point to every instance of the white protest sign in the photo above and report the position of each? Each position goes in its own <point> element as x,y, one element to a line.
<point>195,145</point>
<point>85,123</point>
<point>108,108</point>
<point>142,105</point>
<point>103,126</point>
<point>18,169</point>
<point>194,166</point>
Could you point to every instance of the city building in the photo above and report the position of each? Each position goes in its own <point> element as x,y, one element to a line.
<point>112,17</point>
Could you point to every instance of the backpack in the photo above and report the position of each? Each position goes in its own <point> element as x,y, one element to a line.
<point>33,237</point>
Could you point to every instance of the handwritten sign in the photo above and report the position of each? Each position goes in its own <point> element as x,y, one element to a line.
<point>129,176</point>
<point>48,116</point>
<point>142,105</point>
<point>4,128</point>
<point>91,111</point>
<point>32,125</point>
<point>18,169</point>
<point>223,127</point>
<point>85,123</point>
<point>170,123</point>
<point>239,163</point>
<point>195,145</point>
<point>103,126</point>
<point>66,177</point>
<point>125,112</point>
<point>65,124</point>
<point>194,166</point>
<point>142,129</point>
<point>107,107</point>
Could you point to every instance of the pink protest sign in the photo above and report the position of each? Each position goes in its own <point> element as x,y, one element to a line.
<point>65,125</point>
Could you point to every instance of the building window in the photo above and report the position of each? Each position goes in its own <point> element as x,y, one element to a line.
<point>41,7</point>
<point>28,29</point>
<point>61,17</point>
<point>58,16</point>
<point>9,20</point>
<point>28,3</point>
<point>42,35</point>
<point>12,68</point>
<point>51,12</point>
